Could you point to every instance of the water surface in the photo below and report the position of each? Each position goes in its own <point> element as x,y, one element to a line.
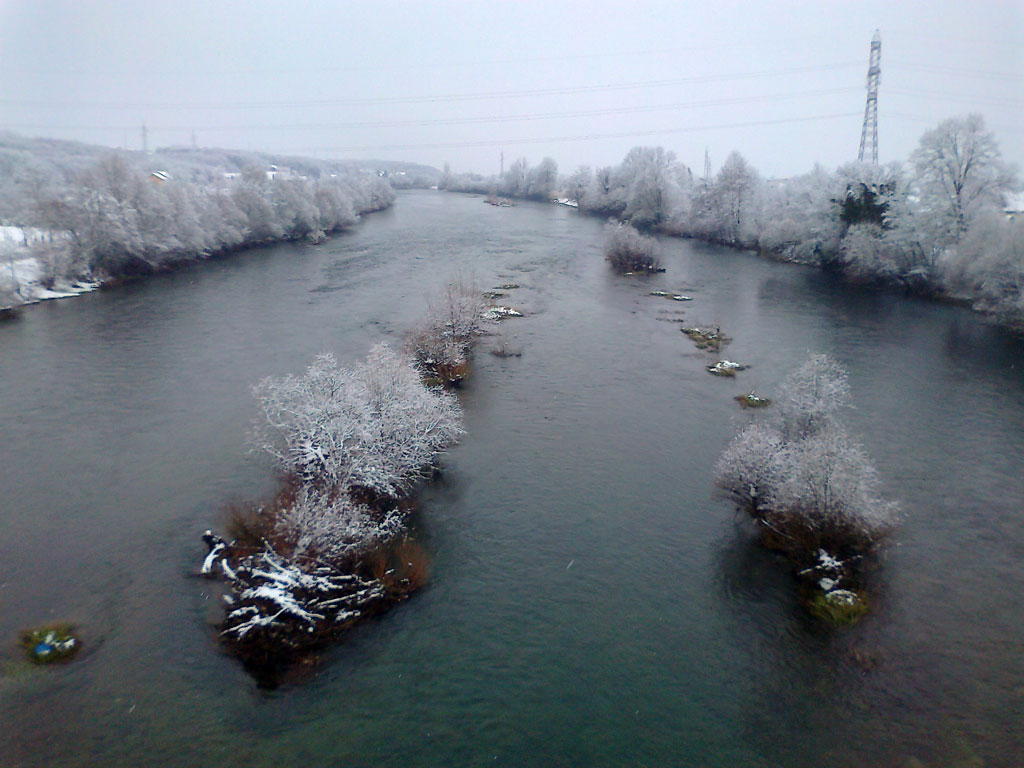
<point>592,602</point>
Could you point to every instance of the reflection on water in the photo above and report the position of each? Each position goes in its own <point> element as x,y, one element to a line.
<point>592,603</point>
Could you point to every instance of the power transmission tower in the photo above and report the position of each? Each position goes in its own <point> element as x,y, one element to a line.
<point>501,173</point>
<point>145,138</point>
<point>707,164</point>
<point>871,108</point>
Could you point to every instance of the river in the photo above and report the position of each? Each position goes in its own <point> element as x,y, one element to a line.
<point>591,602</point>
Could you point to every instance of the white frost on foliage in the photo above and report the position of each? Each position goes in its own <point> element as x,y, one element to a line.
<point>804,470</point>
<point>331,526</point>
<point>375,425</point>
<point>813,396</point>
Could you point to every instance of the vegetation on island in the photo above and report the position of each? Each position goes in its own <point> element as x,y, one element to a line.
<point>330,547</point>
<point>440,345</point>
<point>353,444</point>
<point>628,251</point>
<point>812,491</point>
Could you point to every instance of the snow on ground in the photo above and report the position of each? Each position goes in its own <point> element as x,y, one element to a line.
<point>25,236</point>
<point>21,274</point>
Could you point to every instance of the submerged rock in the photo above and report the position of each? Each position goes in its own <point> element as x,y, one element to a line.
<point>710,340</point>
<point>501,313</point>
<point>725,368</point>
<point>752,401</point>
<point>670,295</point>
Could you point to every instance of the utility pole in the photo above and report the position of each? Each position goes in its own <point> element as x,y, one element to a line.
<point>707,164</point>
<point>502,172</point>
<point>145,138</point>
<point>869,132</point>
<point>193,139</point>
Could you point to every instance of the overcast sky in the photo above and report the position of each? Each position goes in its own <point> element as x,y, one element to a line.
<point>461,82</point>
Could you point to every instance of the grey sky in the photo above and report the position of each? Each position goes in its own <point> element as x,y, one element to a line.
<point>783,83</point>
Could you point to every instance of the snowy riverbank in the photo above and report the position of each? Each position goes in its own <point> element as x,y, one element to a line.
<point>23,277</point>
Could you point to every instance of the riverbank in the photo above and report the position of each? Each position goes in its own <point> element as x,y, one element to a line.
<point>26,280</point>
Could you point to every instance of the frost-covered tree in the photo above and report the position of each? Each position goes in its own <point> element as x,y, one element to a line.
<point>649,181</point>
<point>604,196</point>
<point>960,169</point>
<point>800,219</point>
<point>440,344</point>
<point>813,397</point>
<point>802,477</point>
<point>629,251</point>
<point>514,183</point>
<point>575,187</point>
<point>542,181</point>
<point>988,263</point>
<point>826,496</point>
<point>327,525</point>
<point>374,427</point>
<point>727,209</point>
<point>746,470</point>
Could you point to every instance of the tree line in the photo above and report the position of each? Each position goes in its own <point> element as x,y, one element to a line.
<point>934,224</point>
<point>117,218</point>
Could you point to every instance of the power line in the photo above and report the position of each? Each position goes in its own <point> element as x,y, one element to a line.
<point>1002,127</point>
<point>443,97</point>
<point>941,69</point>
<point>1000,102</point>
<point>583,137</point>
<point>470,120</point>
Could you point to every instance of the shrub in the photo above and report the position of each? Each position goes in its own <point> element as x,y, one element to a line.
<point>629,251</point>
<point>440,346</point>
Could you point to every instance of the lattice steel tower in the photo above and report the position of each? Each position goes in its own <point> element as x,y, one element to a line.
<point>869,133</point>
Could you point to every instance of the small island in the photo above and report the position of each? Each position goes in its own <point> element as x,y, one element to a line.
<point>812,491</point>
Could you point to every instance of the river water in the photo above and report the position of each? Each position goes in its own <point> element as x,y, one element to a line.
<point>592,602</point>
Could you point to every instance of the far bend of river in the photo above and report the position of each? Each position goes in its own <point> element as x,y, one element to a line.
<point>592,603</point>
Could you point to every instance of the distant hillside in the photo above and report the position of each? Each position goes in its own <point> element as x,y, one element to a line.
<point>28,166</point>
<point>404,175</point>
